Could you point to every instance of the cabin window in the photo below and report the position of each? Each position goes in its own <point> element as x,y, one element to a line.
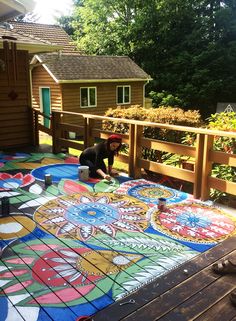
<point>123,94</point>
<point>88,97</point>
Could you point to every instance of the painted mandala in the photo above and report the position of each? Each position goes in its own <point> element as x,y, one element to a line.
<point>149,192</point>
<point>193,222</point>
<point>81,216</point>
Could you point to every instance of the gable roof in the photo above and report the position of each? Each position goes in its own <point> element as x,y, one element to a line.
<point>52,33</point>
<point>26,42</point>
<point>78,68</point>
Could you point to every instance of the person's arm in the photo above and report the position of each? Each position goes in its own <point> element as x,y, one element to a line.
<point>100,154</point>
<point>103,175</point>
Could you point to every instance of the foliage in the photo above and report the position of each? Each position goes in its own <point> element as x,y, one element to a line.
<point>227,122</point>
<point>165,99</point>
<point>166,115</point>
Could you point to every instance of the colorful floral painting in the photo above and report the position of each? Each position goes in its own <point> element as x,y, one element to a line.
<point>194,222</point>
<point>82,216</point>
<point>73,248</point>
<point>150,192</point>
<point>52,273</point>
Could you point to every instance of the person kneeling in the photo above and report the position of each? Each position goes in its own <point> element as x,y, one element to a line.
<point>94,156</point>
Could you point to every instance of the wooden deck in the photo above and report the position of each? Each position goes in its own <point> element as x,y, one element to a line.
<point>57,266</point>
<point>190,292</point>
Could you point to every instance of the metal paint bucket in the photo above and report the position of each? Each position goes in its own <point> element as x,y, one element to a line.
<point>83,173</point>
<point>161,203</point>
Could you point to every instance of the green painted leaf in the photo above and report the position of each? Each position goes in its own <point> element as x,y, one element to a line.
<point>106,186</point>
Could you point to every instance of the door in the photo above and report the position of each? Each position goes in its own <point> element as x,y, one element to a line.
<point>46,105</point>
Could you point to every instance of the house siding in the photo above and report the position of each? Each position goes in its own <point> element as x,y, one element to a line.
<point>106,97</point>
<point>15,101</point>
<point>41,78</point>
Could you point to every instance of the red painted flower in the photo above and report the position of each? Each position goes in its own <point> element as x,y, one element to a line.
<point>11,182</point>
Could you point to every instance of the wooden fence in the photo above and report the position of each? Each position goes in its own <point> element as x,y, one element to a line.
<point>202,153</point>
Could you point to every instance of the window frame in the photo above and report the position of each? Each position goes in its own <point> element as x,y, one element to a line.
<point>123,95</point>
<point>88,97</point>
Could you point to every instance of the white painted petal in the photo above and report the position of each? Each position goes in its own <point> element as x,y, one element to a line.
<point>69,253</point>
<point>103,200</point>
<point>27,313</point>
<point>37,202</point>
<point>8,194</point>
<point>4,282</point>
<point>76,276</point>
<point>18,298</point>
<point>85,199</point>
<point>35,189</point>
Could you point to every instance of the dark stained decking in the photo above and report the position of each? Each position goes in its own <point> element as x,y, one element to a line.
<point>190,292</point>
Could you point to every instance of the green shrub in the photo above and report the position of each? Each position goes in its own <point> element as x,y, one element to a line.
<point>164,98</point>
<point>164,115</point>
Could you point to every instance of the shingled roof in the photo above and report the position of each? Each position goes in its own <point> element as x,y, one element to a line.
<point>25,41</point>
<point>51,33</point>
<point>72,68</point>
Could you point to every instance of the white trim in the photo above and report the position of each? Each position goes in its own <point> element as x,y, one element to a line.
<point>100,80</point>
<point>123,94</point>
<point>33,48</point>
<point>88,96</point>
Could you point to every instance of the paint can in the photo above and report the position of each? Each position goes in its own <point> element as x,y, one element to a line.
<point>161,203</point>
<point>5,206</point>
<point>47,179</point>
<point>83,173</point>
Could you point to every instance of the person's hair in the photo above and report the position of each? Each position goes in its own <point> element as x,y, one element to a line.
<point>114,138</point>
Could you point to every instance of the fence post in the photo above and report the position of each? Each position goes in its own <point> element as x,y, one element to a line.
<point>35,120</point>
<point>207,167</point>
<point>198,166</point>
<point>137,150</point>
<point>56,132</point>
<point>131,150</point>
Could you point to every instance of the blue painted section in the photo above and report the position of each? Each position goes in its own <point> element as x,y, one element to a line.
<point>58,171</point>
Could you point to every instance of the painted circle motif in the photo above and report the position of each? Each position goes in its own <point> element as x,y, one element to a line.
<point>92,213</point>
<point>149,193</point>
<point>58,172</point>
<point>80,216</point>
<point>15,226</point>
<point>193,222</point>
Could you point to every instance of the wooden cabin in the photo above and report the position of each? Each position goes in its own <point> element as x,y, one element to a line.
<point>71,81</point>
<point>86,84</point>
<point>15,85</point>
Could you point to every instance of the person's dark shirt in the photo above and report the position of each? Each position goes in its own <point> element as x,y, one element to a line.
<point>96,154</point>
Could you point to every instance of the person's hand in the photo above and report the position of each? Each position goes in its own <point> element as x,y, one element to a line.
<point>107,177</point>
<point>114,172</point>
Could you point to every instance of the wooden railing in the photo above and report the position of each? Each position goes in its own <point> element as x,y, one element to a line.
<point>202,153</point>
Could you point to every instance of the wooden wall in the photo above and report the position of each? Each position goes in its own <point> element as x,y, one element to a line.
<point>41,78</point>
<point>66,97</point>
<point>15,116</point>
<point>106,97</point>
